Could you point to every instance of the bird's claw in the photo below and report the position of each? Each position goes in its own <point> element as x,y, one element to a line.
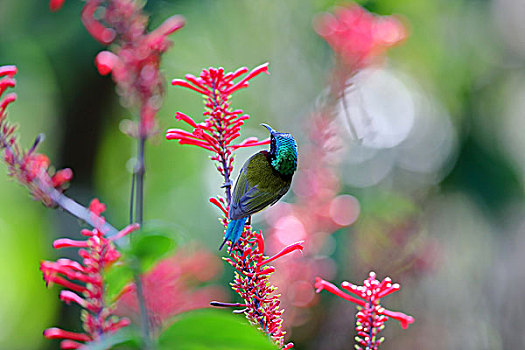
<point>228,183</point>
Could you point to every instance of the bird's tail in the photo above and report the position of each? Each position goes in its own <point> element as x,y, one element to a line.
<point>234,231</point>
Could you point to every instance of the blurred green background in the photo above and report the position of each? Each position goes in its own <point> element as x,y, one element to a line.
<point>439,178</point>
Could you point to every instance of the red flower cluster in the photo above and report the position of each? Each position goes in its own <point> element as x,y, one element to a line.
<point>170,287</point>
<point>135,55</point>
<point>31,169</point>
<point>371,315</point>
<point>84,282</point>
<point>252,283</point>
<point>356,35</point>
<point>222,125</point>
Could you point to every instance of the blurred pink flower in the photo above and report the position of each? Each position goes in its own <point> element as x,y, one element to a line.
<point>172,286</point>
<point>135,53</point>
<point>357,36</point>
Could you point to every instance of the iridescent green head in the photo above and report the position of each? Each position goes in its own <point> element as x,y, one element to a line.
<point>283,151</point>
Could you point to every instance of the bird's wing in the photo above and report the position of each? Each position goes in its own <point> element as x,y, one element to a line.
<point>257,187</point>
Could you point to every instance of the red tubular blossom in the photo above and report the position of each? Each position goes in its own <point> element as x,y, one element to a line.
<point>321,284</point>
<point>106,61</point>
<point>67,243</point>
<point>184,117</point>
<point>69,297</point>
<point>286,250</point>
<point>371,315</point>
<point>10,71</point>
<point>55,5</point>
<point>70,344</point>
<point>124,232</point>
<point>99,253</point>
<point>219,205</point>
<point>57,333</point>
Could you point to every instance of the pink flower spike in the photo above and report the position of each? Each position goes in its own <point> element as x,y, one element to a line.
<point>286,250</point>
<point>404,319</point>
<point>57,333</point>
<point>288,346</point>
<point>67,243</point>
<point>124,232</point>
<point>10,71</point>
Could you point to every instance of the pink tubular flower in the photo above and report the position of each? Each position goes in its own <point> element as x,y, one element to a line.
<point>223,124</point>
<point>31,169</point>
<point>135,53</point>
<point>84,283</point>
<point>371,315</point>
<point>356,35</point>
<point>252,283</point>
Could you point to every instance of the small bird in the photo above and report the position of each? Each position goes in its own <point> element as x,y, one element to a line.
<point>263,180</point>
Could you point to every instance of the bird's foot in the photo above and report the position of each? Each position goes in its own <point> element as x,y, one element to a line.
<point>228,183</point>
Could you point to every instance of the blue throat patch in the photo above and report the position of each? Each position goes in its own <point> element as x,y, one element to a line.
<point>284,153</point>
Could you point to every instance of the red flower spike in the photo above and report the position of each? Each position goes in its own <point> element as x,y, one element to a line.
<point>251,282</point>
<point>223,124</point>
<point>98,254</point>
<point>371,316</point>
<point>29,168</point>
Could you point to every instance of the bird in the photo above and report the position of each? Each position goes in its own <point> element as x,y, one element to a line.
<point>264,178</point>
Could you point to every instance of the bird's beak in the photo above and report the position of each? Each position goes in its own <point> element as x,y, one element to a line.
<point>270,130</point>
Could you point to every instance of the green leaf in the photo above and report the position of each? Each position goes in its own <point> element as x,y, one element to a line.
<point>124,338</point>
<point>150,244</point>
<point>213,329</point>
<point>115,278</point>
